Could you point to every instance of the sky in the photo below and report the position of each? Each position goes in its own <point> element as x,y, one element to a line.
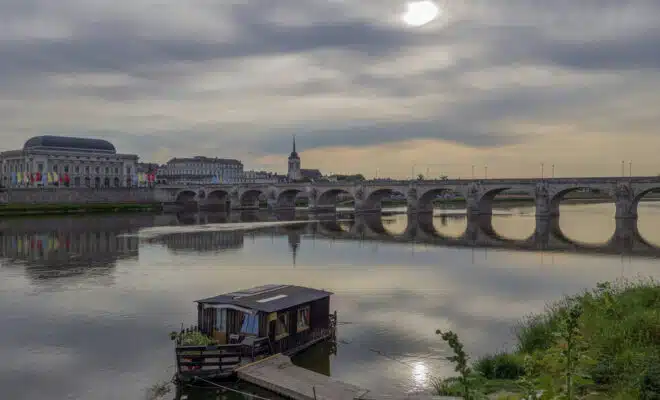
<point>511,87</point>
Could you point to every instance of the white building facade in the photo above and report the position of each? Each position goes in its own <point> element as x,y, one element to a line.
<point>202,170</point>
<point>262,177</point>
<point>85,162</point>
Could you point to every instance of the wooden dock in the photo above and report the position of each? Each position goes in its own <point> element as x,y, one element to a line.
<point>279,375</point>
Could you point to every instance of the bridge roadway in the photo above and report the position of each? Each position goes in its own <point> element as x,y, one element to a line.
<point>626,193</point>
<point>479,233</point>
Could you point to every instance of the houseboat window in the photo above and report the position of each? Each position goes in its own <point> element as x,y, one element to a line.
<point>282,327</point>
<point>303,319</point>
<point>221,320</point>
<point>250,324</point>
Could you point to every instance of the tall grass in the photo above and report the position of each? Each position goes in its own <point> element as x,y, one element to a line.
<point>610,349</point>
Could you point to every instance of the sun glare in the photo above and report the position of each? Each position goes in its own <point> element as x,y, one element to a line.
<point>420,13</point>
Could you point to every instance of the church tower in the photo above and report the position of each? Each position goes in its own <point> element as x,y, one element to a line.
<point>294,163</point>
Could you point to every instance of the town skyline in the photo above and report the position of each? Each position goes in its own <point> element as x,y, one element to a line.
<point>506,86</point>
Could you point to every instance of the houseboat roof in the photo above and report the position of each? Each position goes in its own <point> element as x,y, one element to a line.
<point>268,298</point>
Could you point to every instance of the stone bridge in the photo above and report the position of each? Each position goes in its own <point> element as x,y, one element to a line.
<point>479,195</point>
<point>479,232</point>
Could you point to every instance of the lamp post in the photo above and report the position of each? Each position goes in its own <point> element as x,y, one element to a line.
<point>623,168</point>
<point>485,171</point>
<point>553,170</point>
<point>630,168</point>
<point>541,170</point>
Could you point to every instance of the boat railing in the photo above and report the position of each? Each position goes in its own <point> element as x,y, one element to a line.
<point>208,360</point>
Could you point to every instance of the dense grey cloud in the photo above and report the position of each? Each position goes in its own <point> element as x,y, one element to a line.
<point>207,76</point>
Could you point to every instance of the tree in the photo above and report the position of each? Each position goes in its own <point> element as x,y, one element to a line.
<point>420,177</point>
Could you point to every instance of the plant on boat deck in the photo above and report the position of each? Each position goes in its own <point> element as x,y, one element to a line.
<point>192,338</point>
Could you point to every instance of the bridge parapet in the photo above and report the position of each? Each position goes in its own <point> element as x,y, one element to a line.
<point>368,195</point>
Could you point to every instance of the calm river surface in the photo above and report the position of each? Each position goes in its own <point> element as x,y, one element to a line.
<point>86,303</point>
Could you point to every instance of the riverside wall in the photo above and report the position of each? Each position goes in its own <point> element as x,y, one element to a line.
<point>77,195</point>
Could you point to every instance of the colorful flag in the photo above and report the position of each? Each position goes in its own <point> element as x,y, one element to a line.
<point>19,177</point>
<point>56,177</point>
<point>44,179</point>
<point>50,177</point>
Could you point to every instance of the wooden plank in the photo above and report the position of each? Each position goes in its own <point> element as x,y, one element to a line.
<point>279,375</point>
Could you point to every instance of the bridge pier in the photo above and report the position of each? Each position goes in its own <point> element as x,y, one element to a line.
<point>626,204</point>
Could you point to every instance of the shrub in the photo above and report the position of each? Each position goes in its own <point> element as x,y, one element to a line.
<point>500,366</point>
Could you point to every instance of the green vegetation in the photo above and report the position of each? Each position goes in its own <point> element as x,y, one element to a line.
<point>600,344</point>
<point>192,337</point>
<point>36,209</point>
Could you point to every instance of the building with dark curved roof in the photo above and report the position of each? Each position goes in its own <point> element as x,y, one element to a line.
<point>69,144</point>
<point>81,162</point>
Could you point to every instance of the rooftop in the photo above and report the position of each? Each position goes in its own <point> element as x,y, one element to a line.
<point>268,298</point>
<point>202,159</point>
<point>69,143</point>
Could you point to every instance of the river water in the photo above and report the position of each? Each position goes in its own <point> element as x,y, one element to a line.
<point>86,303</point>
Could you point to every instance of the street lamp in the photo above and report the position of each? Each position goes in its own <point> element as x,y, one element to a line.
<point>623,168</point>
<point>485,171</point>
<point>553,170</point>
<point>630,168</point>
<point>541,170</point>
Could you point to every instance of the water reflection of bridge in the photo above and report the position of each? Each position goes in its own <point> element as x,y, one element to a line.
<point>479,232</point>
<point>421,229</point>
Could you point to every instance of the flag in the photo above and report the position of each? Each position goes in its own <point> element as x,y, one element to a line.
<point>50,177</point>
<point>32,178</point>
<point>26,177</point>
<point>13,178</point>
<point>66,178</point>
<point>56,178</point>
<point>44,179</point>
<point>135,179</point>
<point>19,177</point>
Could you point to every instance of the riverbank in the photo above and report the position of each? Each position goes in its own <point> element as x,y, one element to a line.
<point>603,343</point>
<point>63,209</point>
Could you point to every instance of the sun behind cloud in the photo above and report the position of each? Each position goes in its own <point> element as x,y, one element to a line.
<point>420,13</point>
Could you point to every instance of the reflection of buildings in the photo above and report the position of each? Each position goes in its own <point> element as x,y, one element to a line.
<point>202,241</point>
<point>64,247</point>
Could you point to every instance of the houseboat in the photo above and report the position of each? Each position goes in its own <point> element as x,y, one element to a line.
<point>238,328</point>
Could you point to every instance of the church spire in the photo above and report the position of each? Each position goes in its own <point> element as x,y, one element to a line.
<point>294,143</point>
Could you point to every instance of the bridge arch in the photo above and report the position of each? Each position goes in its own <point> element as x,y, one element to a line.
<point>251,198</point>
<point>374,201</point>
<point>330,197</point>
<point>639,196</point>
<point>186,196</point>
<point>646,221</point>
<point>426,198</point>
<point>558,197</point>
<point>287,198</point>
<point>217,195</point>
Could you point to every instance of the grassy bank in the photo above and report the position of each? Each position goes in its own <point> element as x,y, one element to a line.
<point>56,209</point>
<point>600,344</point>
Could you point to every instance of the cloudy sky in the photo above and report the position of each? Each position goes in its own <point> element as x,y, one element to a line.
<point>509,84</point>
